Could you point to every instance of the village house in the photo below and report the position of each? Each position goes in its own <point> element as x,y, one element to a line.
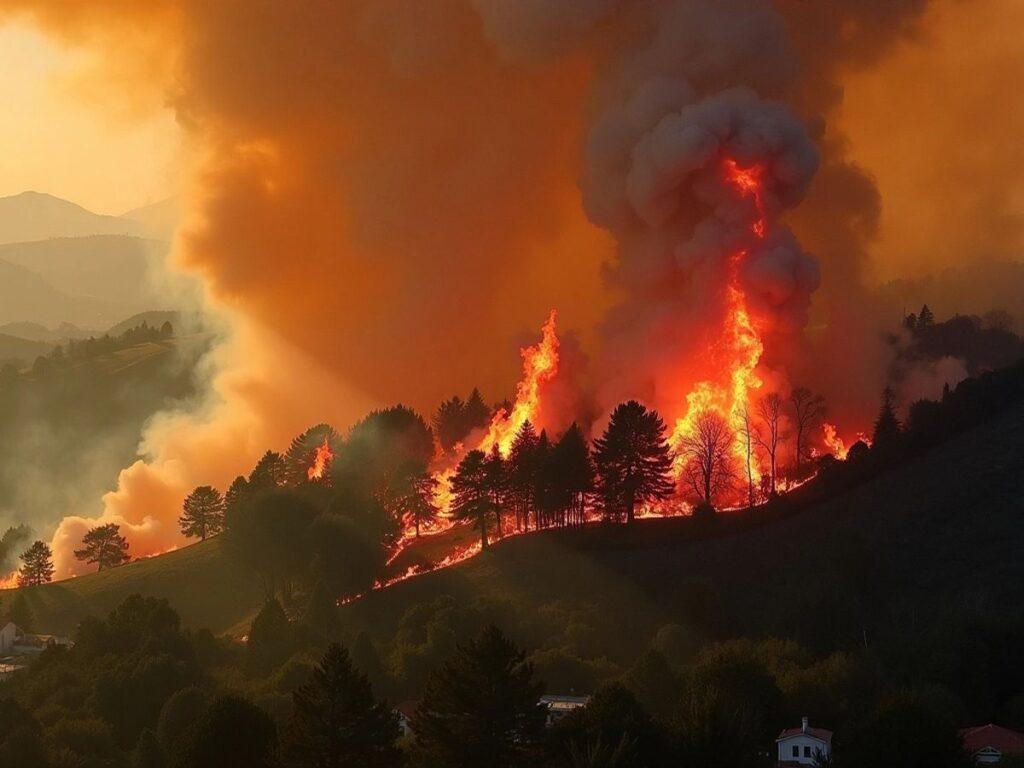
<point>15,642</point>
<point>560,706</point>
<point>988,744</point>
<point>803,745</point>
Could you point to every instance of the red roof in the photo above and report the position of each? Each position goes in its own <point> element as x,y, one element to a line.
<point>818,733</point>
<point>1003,739</point>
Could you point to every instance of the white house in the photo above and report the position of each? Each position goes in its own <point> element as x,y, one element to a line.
<point>800,746</point>
<point>560,706</point>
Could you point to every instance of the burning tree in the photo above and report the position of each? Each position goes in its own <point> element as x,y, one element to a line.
<point>418,502</point>
<point>37,565</point>
<point>574,470</point>
<point>808,410</point>
<point>633,461</point>
<point>203,513</point>
<point>309,457</point>
<point>709,468</point>
<point>472,499</point>
<point>769,410</point>
<point>105,546</point>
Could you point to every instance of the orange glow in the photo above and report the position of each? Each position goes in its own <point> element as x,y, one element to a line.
<point>540,364</point>
<point>321,462</point>
<point>740,346</point>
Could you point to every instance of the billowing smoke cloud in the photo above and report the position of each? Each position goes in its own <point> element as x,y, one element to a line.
<point>385,196</point>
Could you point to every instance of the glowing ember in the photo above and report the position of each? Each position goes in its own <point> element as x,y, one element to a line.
<point>321,461</point>
<point>740,346</point>
<point>540,363</point>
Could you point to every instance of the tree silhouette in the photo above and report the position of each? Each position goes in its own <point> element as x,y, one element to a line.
<point>271,638</point>
<point>708,452</point>
<point>925,318</point>
<point>471,494</point>
<point>769,411</point>
<point>449,423</point>
<point>476,412</point>
<point>522,471</point>
<point>574,475</point>
<point>203,513</point>
<point>496,475</point>
<point>105,546</point>
<point>418,502</point>
<point>808,410</point>
<point>37,565</point>
<point>301,456</point>
<point>481,708</point>
<point>232,732</point>
<point>269,472</point>
<point>336,722</point>
<point>633,461</point>
<point>886,437</point>
<point>544,482</point>
<point>747,435</point>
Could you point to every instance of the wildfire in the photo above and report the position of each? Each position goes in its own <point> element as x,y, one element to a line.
<point>835,444</point>
<point>540,363</point>
<point>321,461</point>
<point>740,345</point>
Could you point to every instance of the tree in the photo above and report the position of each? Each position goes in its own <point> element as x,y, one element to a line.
<point>522,471</point>
<point>105,546</point>
<point>708,452</point>
<point>271,638</point>
<point>232,732</point>
<point>573,476</point>
<point>449,423</point>
<point>177,717</point>
<point>37,565</point>
<point>481,708</point>
<point>21,738</point>
<point>270,472</point>
<point>418,502</point>
<point>925,318</point>
<point>336,722</point>
<point>203,513</point>
<point>748,438</point>
<point>769,410</point>
<point>476,412</point>
<point>633,461</point>
<point>496,478</point>
<point>167,330</point>
<point>471,495</point>
<point>886,437</point>
<point>910,322</point>
<point>310,455</point>
<point>808,410</point>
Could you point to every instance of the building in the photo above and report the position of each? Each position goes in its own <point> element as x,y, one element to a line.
<point>989,743</point>
<point>801,746</point>
<point>560,706</point>
<point>9,634</point>
<point>14,642</point>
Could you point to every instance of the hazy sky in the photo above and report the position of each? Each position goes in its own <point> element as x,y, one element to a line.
<point>54,141</point>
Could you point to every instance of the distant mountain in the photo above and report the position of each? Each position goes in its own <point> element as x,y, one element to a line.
<point>153,319</point>
<point>39,332</point>
<point>27,296</point>
<point>113,268</point>
<point>158,220</point>
<point>38,216</point>
<point>21,351</point>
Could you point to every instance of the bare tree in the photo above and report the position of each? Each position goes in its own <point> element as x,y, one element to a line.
<point>808,408</point>
<point>709,465</point>
<point>748,438</point>
<point>769,410</point>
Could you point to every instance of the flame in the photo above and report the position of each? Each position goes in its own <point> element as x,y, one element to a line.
<point>540,364</point>
<point>740,346</point>
<point>321,461</point>
<point>833,441</point>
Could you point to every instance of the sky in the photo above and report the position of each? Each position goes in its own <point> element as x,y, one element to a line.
<point>55,140</point>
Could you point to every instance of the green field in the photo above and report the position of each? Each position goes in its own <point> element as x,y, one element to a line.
<point>948,523</point>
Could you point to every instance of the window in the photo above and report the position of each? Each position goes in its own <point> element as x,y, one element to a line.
<point>796,751</point>
<point>807,751</point>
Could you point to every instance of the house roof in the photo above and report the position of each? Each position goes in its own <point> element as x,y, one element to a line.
<point>1003,739</point>
<point>407,708</point>
<point>822,734</point>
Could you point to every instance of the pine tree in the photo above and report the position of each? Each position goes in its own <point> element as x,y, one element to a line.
<point>105,546</point>
<point>925,318</point>
<point>482,708</point>
<point>269,472</point>
<point>544,482</point>
<point>203,513</point>
<point>336,722</point>
<point>271,638</point>
<point>522,470</point>
<point>496,477</point>
<point>633,461</point>
<point>573,471</point>
<point>476,413</point>
<point>37,565</point>
<point>449,423</point>
<point>300,460</point>
<point>417,504</point>
<point>886,437</point>
<point>471,494</point>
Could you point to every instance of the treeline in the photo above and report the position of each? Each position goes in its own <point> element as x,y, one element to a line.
<point>137,690</point>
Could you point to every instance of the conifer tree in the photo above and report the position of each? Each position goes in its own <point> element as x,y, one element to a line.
<point>269,472</point>
<point>522,469</point>
<point>203,513</point>
<point>633,461</point>
<point>336,722</point>
<point>925,318</point>
<point>476,412</point>
<point>37,565</point>
<point>449,423</point>
<point>482,708</point>
<point>574,475</point>
<point>105,546</point>
<point>471,494</point>
<point>496,474</point>
<point>886,437</point>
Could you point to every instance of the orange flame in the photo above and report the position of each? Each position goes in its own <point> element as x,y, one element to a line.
<point>321,461</point>
<point>540,363</point>
<point>740,346</point>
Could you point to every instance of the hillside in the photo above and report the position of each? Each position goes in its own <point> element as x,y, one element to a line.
<point>21,352</point>
<point>38,216</point>
<point>112,268</point>
<point>27,297</point>
<point>947,524</point>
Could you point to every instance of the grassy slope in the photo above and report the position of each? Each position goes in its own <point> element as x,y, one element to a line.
<point>951,522</point>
